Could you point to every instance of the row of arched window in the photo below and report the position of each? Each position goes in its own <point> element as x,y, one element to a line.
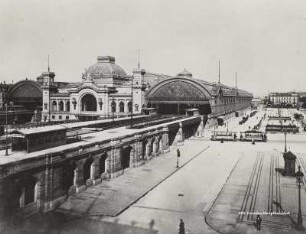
<point>60,106</point>
<point>121,106</point>
<point>65,106</point>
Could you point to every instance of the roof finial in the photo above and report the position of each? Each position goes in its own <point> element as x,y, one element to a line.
<point>48,64</point>
<point>138,58</point>
<point>219,75</point>
<point>236,75</point>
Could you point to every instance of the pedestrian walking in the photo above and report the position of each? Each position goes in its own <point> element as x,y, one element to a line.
<point>258,222</point>
<point>182,227</point>
<point>178,154</point>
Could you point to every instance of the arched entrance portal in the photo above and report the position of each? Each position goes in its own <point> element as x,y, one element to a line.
<point>88,103</point>
<point>102,163</point>
<point>68,175</point>
<point>125,157</point>
<point>87,169</point>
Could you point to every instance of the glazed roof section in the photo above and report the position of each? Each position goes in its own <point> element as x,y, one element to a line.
<point>153,78</point>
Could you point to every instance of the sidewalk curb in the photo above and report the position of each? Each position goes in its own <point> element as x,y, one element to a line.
<point>213,202</point>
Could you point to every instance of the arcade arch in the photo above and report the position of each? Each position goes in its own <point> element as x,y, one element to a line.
<point>88,103</point>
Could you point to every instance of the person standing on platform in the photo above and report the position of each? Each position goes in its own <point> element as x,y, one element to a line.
<point>182,227</point>
<point>258,222</point>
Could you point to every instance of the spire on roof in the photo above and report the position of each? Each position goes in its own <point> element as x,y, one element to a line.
<point>219,74</point>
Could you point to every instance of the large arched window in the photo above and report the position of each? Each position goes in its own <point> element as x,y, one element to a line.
<point>61,106</point>
<point>121,107</point>
<point>74,102</point>
<point>68,106</point>
<point>113,106</point>
<point>54,106</point>
<point>89,103</point>
<point>130,107</point>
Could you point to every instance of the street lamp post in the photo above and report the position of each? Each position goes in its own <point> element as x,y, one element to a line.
<point>299,181</point>
<point>113,109</point>
<point>285,132</point>
<point>132,100</point>
<point>6,129</point>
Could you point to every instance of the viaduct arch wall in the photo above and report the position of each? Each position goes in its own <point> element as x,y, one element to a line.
<point>54,176</point>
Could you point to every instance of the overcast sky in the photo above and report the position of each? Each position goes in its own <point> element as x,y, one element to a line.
<point>264,40</point>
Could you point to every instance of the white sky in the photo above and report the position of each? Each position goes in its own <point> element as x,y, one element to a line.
<point>264,40</point>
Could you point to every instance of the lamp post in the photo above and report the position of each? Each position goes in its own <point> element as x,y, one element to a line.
<point>113,109</point>
<point>299,181</point>
<point>285,132</point>
<point>132,100</point>
<point>6,128</point>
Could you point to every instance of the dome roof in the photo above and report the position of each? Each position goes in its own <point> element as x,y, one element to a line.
<point>105,67</point>
<point>185,73</point>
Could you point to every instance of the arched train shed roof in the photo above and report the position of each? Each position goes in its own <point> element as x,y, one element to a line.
<point>25,89</point>
<point>179,89</point>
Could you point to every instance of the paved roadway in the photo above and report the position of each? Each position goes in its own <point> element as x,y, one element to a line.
<point>190,193</point>
<point>186,195</point>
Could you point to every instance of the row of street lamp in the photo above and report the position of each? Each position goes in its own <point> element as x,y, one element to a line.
<point>299,180</point>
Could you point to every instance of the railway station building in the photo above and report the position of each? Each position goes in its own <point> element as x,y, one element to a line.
<point>105,90</point>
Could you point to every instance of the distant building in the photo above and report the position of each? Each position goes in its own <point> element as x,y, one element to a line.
<point>256,102</point>
<point>284,99</point>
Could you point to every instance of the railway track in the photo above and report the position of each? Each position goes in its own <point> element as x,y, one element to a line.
<point>249,201</point>
<point>274,196</point>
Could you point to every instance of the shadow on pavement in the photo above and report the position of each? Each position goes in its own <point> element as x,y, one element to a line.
<point>59,223</point>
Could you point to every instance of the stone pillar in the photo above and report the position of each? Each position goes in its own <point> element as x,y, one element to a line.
<point>117,108</point>
<point>108,164</point>
<point>126,107</point>
<point>79,179</point>
<point>64,105</point>
<point>160,147</point>
<point>75,176</point>
<point>148,149</point>
<point>95,173</point>
<point>39,196</point>
<point>115,165</point>
<point>133,159</point>
<point>154,153</point>
<point>48,182</point>
<point>138,152</point>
